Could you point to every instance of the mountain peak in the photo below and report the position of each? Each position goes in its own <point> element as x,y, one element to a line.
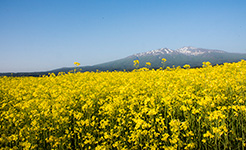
<point>155,52</point>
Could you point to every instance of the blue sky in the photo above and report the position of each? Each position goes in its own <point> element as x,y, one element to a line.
<point>40,35</point>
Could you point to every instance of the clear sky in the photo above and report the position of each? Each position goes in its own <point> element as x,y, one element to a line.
<point>41,35</point>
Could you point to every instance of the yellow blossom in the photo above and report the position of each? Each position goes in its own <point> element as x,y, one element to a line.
<point>76,63</point>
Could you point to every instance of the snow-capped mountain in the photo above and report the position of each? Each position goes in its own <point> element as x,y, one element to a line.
<point>179,57</point>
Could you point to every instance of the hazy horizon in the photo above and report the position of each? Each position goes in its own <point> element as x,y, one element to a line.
<point>46,35</point>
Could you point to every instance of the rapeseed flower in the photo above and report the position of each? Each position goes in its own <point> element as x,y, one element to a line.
<point>76,63</point>
<point>202,108</point>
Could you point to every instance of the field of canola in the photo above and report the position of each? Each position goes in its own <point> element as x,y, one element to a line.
<point>175,108</point>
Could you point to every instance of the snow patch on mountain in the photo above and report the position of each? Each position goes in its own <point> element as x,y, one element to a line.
<point>196,51</point>
<point>155,52</point>
<point>190,51</point>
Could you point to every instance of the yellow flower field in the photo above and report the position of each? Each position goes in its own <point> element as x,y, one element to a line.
<point>175,108</point>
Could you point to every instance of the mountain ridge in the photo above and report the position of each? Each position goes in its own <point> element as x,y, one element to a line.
<point>179,57</point>
<point>187,50</point>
